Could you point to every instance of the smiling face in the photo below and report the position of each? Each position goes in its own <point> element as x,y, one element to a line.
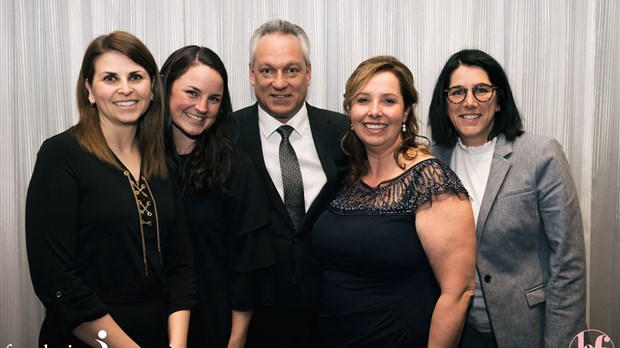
<point>280,75</point>
<point>120,88</point>
<point>472,119</point>
<point>377,113</point>
<point>195,100</point>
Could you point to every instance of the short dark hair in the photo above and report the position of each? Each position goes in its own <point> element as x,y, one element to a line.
<point>210,161</point>
<point>507,120</point>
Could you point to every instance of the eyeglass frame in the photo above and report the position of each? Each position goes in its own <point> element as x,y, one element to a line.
<point>493,88</point>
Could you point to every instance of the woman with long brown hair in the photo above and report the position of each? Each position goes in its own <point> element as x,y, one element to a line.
<point>105,231</point>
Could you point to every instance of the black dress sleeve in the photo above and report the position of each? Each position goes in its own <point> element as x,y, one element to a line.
<point>432,178</point>
<point>52,208</point>
<point>251,248</point>
<point>179,262</point>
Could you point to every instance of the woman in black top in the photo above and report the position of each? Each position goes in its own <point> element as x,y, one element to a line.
<point>107,243</point>
<point>225,206</point>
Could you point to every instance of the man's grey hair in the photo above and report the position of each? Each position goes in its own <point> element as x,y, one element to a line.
<point>281,27</point>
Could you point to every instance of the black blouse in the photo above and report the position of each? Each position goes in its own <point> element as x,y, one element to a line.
<point>86,247</point>
<point>233,251</point>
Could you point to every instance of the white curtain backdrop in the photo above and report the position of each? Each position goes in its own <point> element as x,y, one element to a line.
<point>562,57</point>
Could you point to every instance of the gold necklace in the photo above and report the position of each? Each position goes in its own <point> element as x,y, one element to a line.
<point>143,209</point>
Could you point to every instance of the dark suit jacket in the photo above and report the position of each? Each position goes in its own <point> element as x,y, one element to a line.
<point>531,257</point>
<point>297,267</point>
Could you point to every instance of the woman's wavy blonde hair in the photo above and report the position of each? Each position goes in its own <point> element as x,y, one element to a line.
<point>351,144</point>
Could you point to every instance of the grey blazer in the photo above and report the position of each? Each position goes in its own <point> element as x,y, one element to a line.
<point>531,256</point>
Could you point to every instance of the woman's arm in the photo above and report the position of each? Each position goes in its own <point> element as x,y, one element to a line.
<point>239,330</point>
<point>251,249</point>
<point>558,204</point>
<point>178,325</point>
<point>180,276</point>
<point>446,230</point>
<point>52,212</point>
<point>105,330</point>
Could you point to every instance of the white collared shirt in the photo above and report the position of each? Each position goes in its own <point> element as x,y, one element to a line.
<point>312,173</point>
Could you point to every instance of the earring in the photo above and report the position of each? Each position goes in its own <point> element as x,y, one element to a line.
<point>404,127</point>
<point>351,126</point>
<point>92,105</point>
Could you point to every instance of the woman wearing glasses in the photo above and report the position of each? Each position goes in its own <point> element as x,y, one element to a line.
<point>530,281</point>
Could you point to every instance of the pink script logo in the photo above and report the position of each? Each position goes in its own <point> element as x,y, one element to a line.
<point>591,339</point>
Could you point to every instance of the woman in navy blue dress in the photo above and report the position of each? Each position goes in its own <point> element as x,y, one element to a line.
<point>397,243</point>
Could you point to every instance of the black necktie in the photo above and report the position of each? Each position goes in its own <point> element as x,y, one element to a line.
<point>291,178</point>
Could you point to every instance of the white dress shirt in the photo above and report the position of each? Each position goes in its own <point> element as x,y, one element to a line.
<point>312,173</point>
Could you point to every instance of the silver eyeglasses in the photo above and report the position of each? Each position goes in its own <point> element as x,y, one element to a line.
<point>482,93</point>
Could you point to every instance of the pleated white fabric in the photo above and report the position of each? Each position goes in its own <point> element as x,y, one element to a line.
<point>562,57</point>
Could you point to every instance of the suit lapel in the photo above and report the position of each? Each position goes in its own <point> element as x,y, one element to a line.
<point>324,134</point>
<point>250,140</point>
<point>499,168</point>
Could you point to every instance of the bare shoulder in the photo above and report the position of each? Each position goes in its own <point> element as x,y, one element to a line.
<point>414,157</point>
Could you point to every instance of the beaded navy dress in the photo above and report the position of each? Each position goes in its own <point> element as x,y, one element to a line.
<point>378,288</point>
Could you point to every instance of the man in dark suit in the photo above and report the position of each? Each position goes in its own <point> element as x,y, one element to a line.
<point>280,73</point>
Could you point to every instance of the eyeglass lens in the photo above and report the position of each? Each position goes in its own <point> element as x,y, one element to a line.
<point>482,93</point>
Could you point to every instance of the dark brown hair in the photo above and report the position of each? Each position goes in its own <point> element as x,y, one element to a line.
<point>211,158</point>
<point>150,126</point>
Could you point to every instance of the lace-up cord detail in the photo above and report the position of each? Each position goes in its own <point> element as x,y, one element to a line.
<point>143,203</point>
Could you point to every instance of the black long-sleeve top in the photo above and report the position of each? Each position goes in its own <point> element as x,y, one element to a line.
<point>84,240</point>
<point>233,252</point>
